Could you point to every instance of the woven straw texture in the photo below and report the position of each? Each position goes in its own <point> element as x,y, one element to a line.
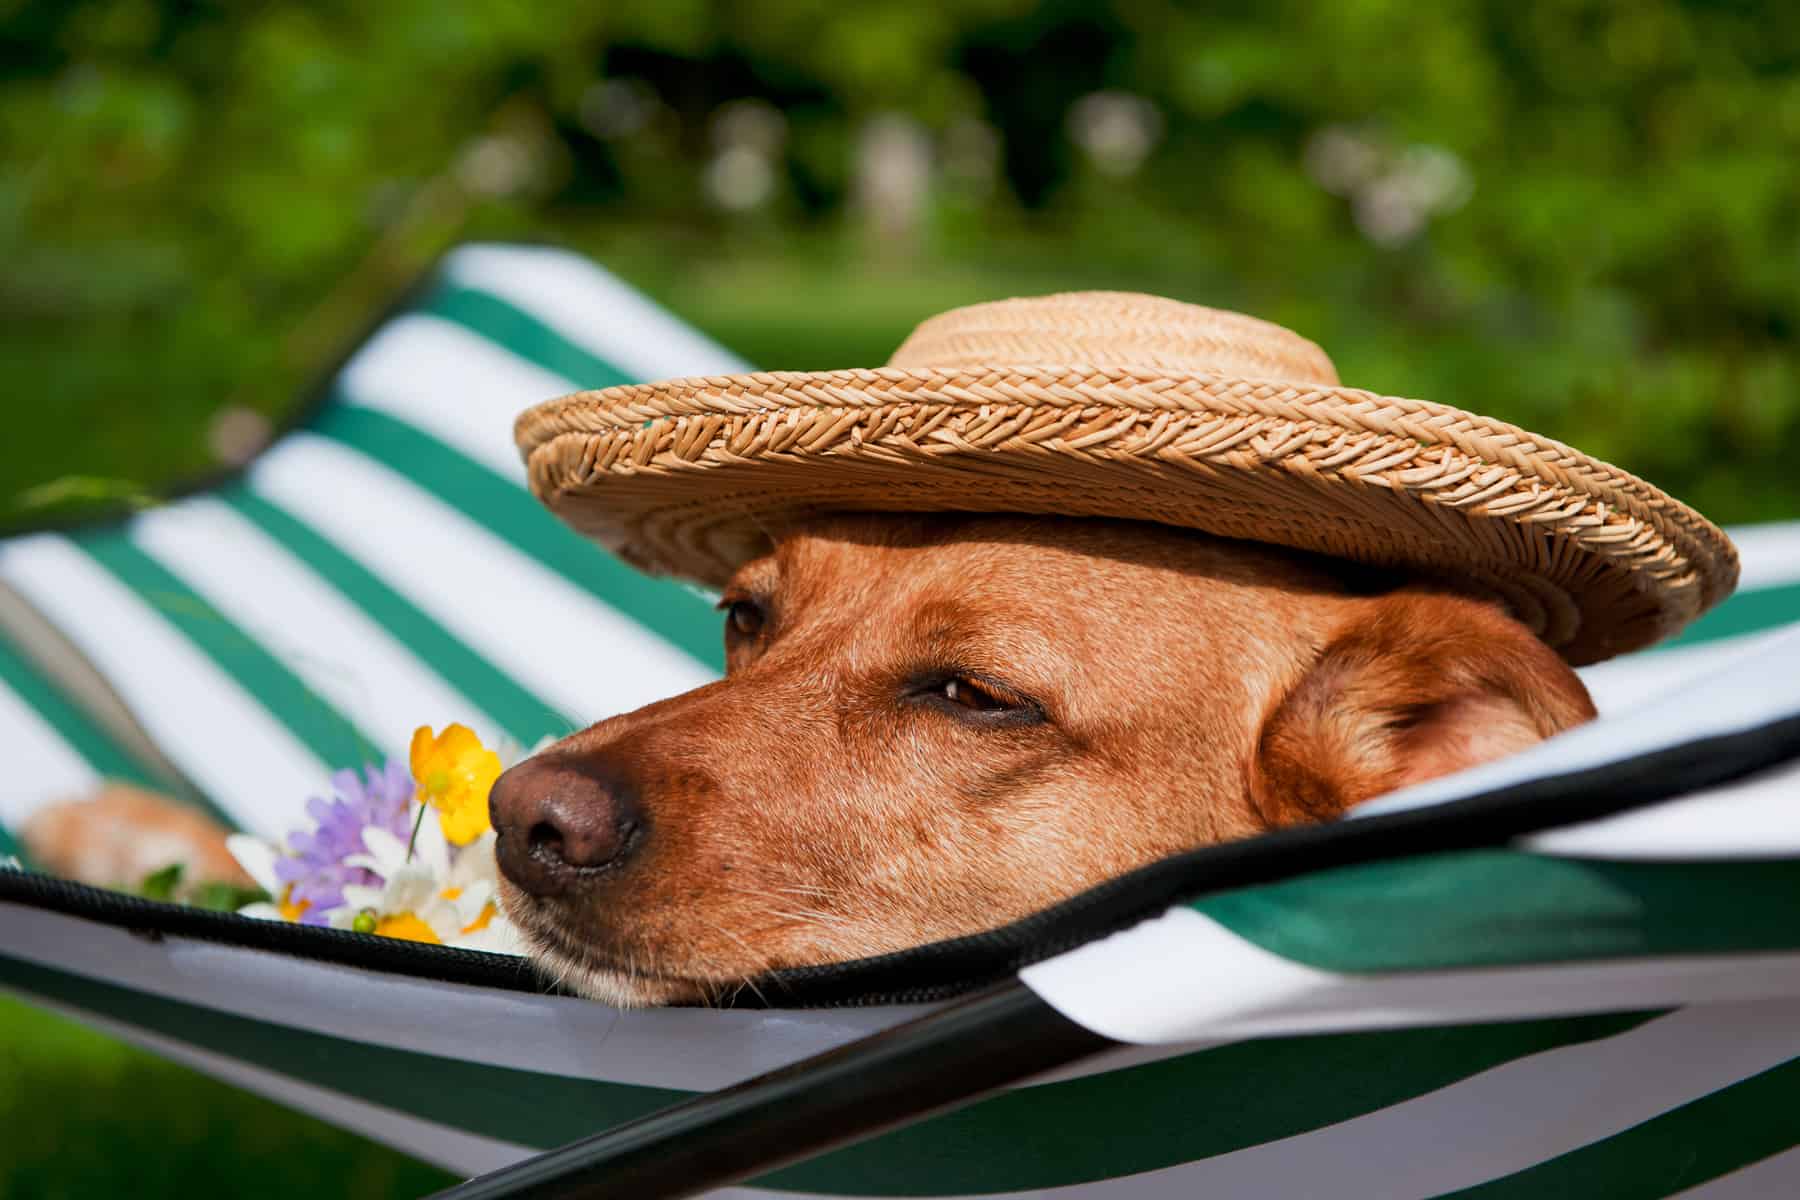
<point>1119,405</point>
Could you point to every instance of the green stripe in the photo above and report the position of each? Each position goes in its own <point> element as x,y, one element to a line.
<point>665,608</point>
<point>1096,1127</point>
<point>308,716</point>
<point>1717,1134</point>
<point>1177,1111</point>
<point>89,740</point>
<point>523,334</point>
<point>9,847</point>
<point>1500,907</point>
<point>73,726</point>
<point>524,717</point>
<point>1745,613</point>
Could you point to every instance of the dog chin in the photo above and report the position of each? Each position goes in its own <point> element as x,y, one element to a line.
<point>621,989</point>
<point>583,971</point>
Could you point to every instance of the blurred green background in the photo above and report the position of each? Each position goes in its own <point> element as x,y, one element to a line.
<point>1580,215</point>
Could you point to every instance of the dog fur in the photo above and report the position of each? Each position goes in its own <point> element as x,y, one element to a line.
<point>934,725</point>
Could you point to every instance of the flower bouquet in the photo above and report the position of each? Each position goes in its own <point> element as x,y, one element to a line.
<point>398,850</point>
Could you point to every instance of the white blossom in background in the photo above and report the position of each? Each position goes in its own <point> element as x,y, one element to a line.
<point>1116,130</point>
<point>1341,159</point>
<point>613,109</point>
<point>497,165</point>
<point>893,176</point>
<point>739,179</point>
<point>1394,191</point>
<point>235,434</point>
<point>750,123</point>
<point>747,139</point>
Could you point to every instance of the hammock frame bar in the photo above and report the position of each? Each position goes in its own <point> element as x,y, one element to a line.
<point>943,1060</point>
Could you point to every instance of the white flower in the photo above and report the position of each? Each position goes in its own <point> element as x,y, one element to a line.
<point>452,893</point>
<point>257,857</point>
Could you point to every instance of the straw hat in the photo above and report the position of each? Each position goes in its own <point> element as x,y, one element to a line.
<point>1117,405</point>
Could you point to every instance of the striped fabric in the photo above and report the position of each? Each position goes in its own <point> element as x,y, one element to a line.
<point>1610,1008</point>
<point>380,568</point>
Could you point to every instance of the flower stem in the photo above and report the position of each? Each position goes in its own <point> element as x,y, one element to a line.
<point>414,839</point>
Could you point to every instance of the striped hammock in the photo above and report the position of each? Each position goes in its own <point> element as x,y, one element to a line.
<point>1571,972</point>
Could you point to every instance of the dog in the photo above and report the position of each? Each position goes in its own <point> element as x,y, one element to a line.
<point>934,725</point>
<point>935,722</point>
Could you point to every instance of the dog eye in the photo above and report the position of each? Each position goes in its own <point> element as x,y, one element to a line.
<point>968,694</point>
<point>744,618</point>
<point>975,700</point>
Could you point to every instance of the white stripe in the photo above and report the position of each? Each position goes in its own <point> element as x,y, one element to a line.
<point>592,308</point>
<point>1769,554</point>
<point>1777,1175</point>
<point>686,1048</point>
<point>1623,685</point>
<point>210,727</point>
<point>1747,692</point>
<point>340,653</point>
<point>1488,1126</point>
<point>1183,977</point>
<point>1757,818</point>
<point>456,385</point>
<point>40,766</point>
<point>1482,1127</point>
<point>453,1149</point>
<point>584,657</point>
<point>1501,1121</point>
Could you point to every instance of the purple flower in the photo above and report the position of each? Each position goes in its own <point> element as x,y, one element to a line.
<point>315,869</point>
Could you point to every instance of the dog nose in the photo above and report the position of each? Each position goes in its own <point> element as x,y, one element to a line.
<point>558,818</point>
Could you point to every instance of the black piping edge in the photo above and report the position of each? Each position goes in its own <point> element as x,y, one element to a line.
<point>957,967</point>
<point>155,920</point>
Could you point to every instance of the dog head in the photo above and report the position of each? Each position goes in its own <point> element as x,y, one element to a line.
<point>931,726</point>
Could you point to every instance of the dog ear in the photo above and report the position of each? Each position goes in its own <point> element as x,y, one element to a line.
<point>1420,684</point>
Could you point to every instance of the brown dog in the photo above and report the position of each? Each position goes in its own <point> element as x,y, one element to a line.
<point>932,726</point>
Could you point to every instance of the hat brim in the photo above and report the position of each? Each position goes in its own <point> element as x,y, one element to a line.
<point>691,477</point>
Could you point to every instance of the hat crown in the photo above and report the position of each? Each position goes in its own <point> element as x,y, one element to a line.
<point>1114,329</point>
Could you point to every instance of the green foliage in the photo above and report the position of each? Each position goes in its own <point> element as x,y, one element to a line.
<point>169,884</point>
<point>86,1116</point>
<point>161,884</point>
<point>1581,215</point>
<point>201,202</point>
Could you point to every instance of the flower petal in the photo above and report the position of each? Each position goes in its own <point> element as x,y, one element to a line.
<point>258,859</point>
<point>420,750</point>
<point>262,910</point>
<point>387,850</point>
<point>430,847</point>
<point>357,897</point>
<point>470,901</point>
<point>498,936</point>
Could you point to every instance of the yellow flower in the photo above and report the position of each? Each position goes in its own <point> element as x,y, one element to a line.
<point>407,927</point>
<point>482,921</point>
<point>455,772</point>
<point>290,910</point>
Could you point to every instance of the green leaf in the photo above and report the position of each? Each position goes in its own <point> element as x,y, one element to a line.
<point>225,897</point>
<point>161,885</point>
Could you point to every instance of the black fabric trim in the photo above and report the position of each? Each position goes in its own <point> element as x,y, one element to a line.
<point>155,920</point>
<point>942,970</point>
